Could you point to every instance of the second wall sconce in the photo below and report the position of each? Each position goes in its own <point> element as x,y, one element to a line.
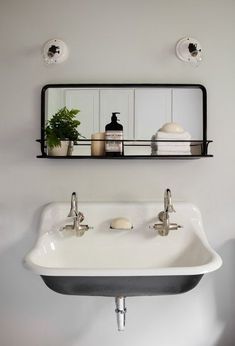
<point>55,51</point>
<point>189,50</point>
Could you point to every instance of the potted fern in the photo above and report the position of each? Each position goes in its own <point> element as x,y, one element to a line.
<point>61,131</point>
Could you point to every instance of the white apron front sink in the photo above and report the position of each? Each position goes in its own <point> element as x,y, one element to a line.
<point>120,263</point>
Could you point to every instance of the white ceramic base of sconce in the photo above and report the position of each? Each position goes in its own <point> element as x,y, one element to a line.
<point>55,51</point>
<point>189,50</point>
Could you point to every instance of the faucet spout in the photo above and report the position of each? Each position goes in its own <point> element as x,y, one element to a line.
<point>168,206</point>
<point>74,206</point>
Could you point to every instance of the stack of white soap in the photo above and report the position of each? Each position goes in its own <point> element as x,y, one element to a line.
<point>171,132</point>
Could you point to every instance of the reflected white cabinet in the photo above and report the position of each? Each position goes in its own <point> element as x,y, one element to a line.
<point>87,101</point>
<point>53,102</point>
<point>152,110</point>
<point>96,107</point>
<point>118,100</point>
<point>143,111</point>
<point>187,110</point>
<point>155,107</point>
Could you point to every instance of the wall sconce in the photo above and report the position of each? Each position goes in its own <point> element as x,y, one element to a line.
<point>189,50</point>
<point>55,51</point>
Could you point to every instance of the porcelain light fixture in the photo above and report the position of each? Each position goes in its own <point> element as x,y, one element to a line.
<point>55,51</point>
<point>189,50</point>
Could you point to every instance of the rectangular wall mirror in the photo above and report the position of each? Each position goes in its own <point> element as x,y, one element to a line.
<point>143,108</point>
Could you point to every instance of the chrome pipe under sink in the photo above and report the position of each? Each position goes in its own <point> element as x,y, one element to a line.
<point>121,313</point>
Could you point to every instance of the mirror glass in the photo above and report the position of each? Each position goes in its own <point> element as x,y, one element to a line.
<point>143,109</point>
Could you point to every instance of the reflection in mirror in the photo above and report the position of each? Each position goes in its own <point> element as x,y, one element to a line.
<point>143,111</point>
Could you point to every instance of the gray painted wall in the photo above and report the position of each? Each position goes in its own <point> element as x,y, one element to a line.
<point>113,41</point>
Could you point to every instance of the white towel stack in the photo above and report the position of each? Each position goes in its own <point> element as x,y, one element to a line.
<point>171,148</point>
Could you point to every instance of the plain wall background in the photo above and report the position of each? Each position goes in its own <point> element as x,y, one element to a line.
<point>113,41</point>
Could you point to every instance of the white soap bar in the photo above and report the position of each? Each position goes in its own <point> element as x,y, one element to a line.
<point>121,223</point>
<point>172,128</point>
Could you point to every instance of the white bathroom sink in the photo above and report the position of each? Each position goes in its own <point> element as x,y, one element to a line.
<point>112,262</point>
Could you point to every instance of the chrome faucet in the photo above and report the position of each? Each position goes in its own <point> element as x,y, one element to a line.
<point>74,205</point>
<point>168,206</point>
<point>78,218</point>
<point>165,226</point>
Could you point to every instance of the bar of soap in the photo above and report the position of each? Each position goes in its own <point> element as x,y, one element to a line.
<point>121,223</point>
<point>172,128</point>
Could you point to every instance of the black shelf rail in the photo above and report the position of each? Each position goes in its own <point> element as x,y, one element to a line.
<point>200,146</point>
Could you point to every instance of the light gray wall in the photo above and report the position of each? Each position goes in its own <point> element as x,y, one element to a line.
<point>113,41</point>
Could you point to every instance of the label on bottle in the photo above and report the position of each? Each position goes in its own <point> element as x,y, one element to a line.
<point>114,143</point>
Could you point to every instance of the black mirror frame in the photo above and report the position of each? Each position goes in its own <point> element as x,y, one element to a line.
<point>146,85</point>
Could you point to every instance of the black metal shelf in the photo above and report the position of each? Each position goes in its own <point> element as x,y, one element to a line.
<point>131,157</point>
<point>200,145</point>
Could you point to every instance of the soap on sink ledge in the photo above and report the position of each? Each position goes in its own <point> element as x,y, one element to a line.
<point>121,223</point>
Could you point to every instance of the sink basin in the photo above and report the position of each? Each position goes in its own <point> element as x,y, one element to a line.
<point>110,262</point>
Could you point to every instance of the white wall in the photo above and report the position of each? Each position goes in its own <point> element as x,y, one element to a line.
<point>113,41</point>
